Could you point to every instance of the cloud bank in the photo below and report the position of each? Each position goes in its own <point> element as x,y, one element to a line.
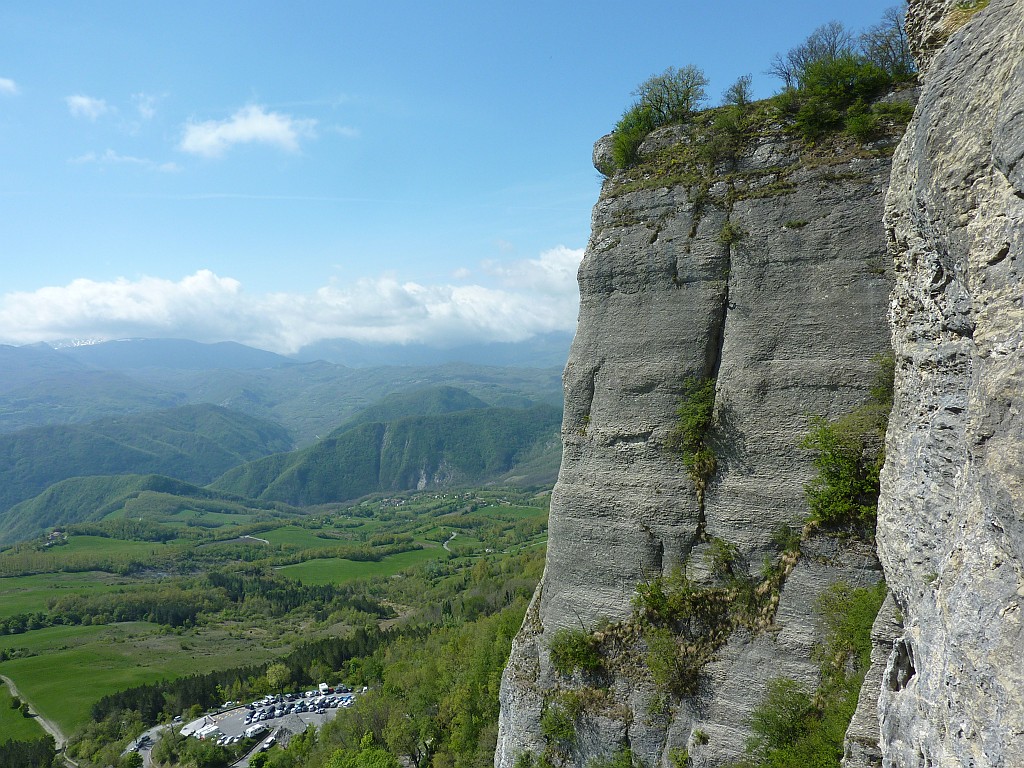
<point>530,297</point>
<point>249,125</point>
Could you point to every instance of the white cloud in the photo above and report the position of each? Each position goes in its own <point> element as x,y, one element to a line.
<point>8,86</point>
<point>251,124</point>
<point>207,307</point>
<point>145,105</point>
<point>86,106</point>
<point>553,273</point>
<point>110,157</point>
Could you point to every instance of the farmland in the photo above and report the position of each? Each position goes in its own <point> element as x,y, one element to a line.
<point>113,605</point>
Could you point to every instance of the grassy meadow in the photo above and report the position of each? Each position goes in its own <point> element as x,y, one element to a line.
<point>14,725</point>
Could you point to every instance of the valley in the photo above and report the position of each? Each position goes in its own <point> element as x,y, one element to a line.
<point>116,604</point>
<point>181,522</point>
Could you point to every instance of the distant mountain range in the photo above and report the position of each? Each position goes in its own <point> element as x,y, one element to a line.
<point>40,385</point>
<point>544,351</point>
<point>548,350</point>
<point>91,430</point>
<point>177,354</point>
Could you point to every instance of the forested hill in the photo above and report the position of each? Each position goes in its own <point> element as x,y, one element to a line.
<point>92,499</point>
<point>447,449</point>
<point>193,443</point>
<point>430,401</point>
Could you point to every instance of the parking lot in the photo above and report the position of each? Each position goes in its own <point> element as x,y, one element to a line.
<point>298,711</point>
<point>292,712</point>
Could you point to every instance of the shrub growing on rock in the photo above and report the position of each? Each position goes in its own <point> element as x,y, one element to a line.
<point>573,649</point>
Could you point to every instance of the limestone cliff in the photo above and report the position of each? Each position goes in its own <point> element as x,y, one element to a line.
<point>950,529</point>
<point>766,270</point>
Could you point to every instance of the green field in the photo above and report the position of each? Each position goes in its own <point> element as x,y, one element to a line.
<point>290,535</point>
<point>75,666</point>
<point>14,725</point>
<point>26,594</point>
<point>336,570</point>
<point>100,545</point>
<point>509,512</point>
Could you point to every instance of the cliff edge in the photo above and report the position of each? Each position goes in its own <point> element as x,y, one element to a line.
<point>762,268</point>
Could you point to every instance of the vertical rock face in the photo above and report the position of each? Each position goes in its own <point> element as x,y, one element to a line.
<point>770,276</point>
<point>951,531</point>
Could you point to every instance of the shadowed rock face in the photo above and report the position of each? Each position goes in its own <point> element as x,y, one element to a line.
<point>951,532</point>
<point>787,313</point>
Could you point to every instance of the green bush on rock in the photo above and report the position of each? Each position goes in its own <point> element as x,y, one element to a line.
<point>574,649</point>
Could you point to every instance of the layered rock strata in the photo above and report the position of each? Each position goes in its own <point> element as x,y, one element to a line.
<point>769,274</point>
<point>951,530</point>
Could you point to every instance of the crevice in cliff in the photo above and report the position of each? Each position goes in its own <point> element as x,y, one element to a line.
<point>901,666</point>
<point>587,388</point>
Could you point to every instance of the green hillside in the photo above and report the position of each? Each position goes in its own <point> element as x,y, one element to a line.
<point>418,402</point>
<point>156,498</point>
<point>192,443</point>
<point>441,450</point>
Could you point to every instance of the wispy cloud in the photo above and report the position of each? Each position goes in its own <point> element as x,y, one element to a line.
<point>145,105</point>
<point>8,87</point>
<point>249,125</point>
<point>86,107</point>
<point>346,130</point>
<point>110,157</point>
<point>208,307</point>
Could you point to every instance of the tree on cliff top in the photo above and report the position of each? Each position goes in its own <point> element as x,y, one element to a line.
<point>670,97</point>
<point>673,95</point>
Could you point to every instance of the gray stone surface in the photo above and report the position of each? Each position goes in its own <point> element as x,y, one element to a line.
<point>862,748</point>
<point>790,317</point>
<point>951,535</point>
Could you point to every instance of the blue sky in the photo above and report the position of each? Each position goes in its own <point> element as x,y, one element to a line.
<point>276,173</point>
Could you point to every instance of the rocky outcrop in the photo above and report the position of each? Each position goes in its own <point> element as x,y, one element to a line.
<point>768,273</point>
<point>950,532</point>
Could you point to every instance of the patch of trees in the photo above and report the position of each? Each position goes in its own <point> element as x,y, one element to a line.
<point>433,700</point>
<point>23,622</point>
<point>830,83</point>
<point>174,749</point>
<point>832,77</point>
<point>38,753</point>
<point>278,596</point>
<point>169,605</point>
<point>126,529</point>
<point>849,454</point>
<point>357,553</point>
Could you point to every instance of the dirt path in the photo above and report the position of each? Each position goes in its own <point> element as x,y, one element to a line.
<point>445,545</point>
<point>48,725</point>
